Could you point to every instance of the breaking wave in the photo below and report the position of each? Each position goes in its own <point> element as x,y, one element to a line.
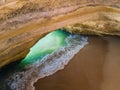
<point>24,79</point>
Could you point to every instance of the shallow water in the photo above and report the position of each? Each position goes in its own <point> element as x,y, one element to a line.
<point>22,79</point>
<point>46,45</point>
<point>95,67</point>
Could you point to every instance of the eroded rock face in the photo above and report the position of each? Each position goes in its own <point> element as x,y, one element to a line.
<point>23,22</point>
<point>40,63</point>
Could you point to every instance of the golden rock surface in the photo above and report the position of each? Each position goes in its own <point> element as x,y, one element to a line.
<point>24,22</point>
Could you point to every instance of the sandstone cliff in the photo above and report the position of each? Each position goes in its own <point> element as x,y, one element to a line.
<point>23,22</point>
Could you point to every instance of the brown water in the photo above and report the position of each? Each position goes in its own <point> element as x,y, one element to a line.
<point>95,67</point>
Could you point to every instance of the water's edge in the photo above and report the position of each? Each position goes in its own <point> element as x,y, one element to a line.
<point>24,80</point>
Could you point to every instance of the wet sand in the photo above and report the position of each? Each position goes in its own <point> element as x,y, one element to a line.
<point>95,67</point>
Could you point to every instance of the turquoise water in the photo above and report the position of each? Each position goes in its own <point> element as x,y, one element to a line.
<point>47,56</point>
<point>44,46</point>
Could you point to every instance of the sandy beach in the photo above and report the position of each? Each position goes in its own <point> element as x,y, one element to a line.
<point>95,67</point>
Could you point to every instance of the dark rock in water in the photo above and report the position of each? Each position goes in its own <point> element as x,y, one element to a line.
<point>23,79</point>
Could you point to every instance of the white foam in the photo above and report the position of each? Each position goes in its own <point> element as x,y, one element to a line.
<point>24,80</point>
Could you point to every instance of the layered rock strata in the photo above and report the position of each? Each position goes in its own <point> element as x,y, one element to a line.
<point>24,22</point>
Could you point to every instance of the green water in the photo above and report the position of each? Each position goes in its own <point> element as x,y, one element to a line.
<point>44,46</point>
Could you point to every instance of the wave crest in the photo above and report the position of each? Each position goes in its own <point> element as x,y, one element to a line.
<point>24,80</point>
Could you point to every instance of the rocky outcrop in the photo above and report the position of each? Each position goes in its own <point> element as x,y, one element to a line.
<point>23,22</point>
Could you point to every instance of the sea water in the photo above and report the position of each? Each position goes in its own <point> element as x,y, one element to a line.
<point>47,56</point>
